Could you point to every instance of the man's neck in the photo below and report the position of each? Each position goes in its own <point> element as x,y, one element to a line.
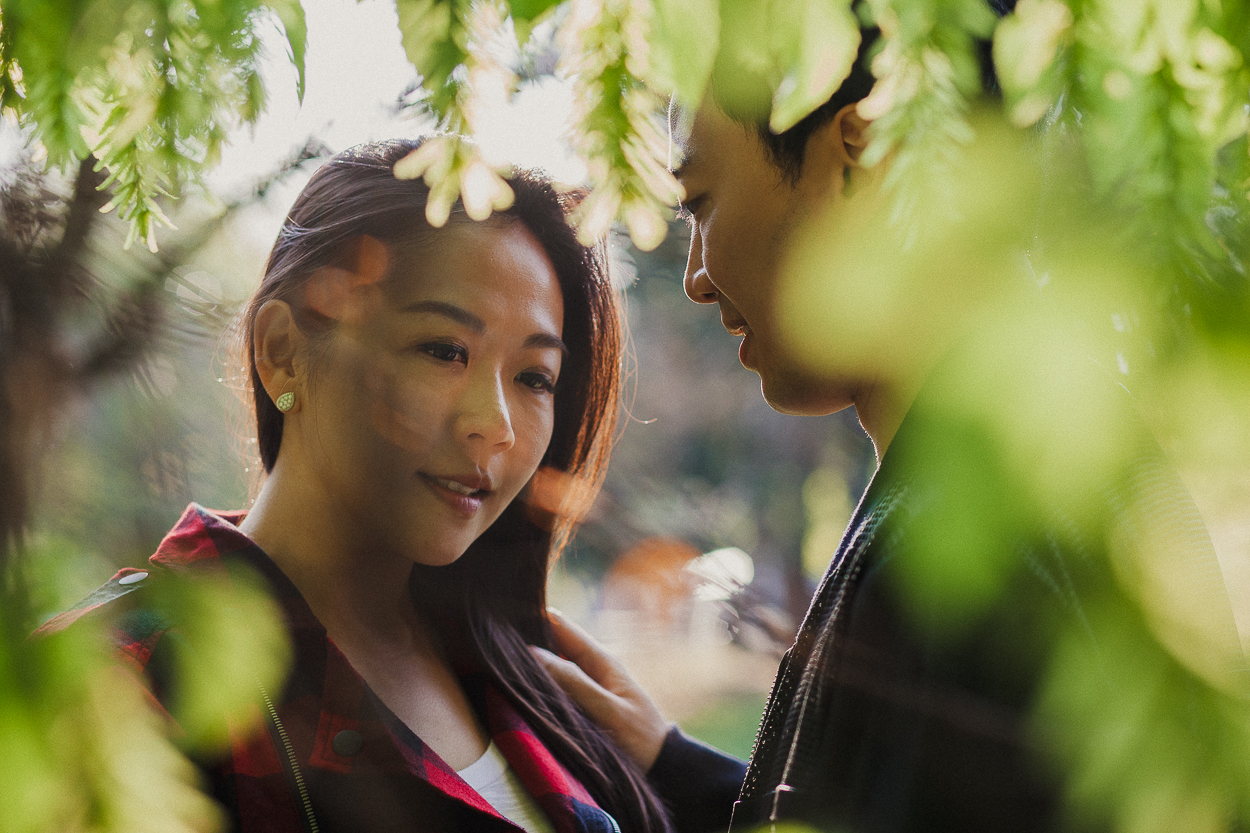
<point>881,411</point>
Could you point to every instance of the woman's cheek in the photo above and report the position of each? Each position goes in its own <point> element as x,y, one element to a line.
<point>401,412</point>
<point>541,421</point>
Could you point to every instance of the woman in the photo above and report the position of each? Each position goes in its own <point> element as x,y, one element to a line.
<point>409,383</point>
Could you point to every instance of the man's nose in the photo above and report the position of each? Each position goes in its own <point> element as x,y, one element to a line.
<point>699,287</point>
<point>484,416</point>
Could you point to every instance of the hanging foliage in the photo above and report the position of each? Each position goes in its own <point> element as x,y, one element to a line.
<point>150,89</point>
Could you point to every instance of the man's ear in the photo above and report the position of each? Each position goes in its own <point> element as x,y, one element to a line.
<point>277,345</point>
<point>851,131</point>
<point>833,150</point>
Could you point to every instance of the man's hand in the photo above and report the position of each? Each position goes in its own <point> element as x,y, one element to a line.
<point>597,682</point>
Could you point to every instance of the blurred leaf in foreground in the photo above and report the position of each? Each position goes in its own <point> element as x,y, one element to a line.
<point>1058,544</point>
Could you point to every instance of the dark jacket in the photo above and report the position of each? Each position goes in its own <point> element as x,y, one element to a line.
<point>923,698</point>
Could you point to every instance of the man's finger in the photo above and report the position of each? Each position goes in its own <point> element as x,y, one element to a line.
<point>580,647</point>
<point>600,704</point>
<point>606,692</point>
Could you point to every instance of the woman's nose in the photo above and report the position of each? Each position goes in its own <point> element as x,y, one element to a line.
<point>484,416</point>
<point>699,287</point>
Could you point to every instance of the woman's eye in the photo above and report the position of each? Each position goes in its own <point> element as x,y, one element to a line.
<point>445,352</point>
<point>538,381</point>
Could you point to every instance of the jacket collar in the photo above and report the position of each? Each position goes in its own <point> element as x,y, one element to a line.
<point>326,697</point>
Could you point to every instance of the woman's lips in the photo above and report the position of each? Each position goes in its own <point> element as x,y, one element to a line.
<point>464,498</point>
<point>463,486</point>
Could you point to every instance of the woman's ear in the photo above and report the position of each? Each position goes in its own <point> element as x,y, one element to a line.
<point>277,345</point>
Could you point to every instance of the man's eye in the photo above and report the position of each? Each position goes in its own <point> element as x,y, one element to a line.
<point>687,209</point>
<point>538,381</point>
<point>445,352</point>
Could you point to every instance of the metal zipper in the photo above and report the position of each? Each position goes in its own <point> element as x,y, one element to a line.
<point>292,763</point>
<point>825,638</point>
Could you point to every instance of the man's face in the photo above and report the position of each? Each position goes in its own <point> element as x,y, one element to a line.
<point>742,210</point>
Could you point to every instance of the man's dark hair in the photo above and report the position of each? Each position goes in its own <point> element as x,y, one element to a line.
<point>787,149</point>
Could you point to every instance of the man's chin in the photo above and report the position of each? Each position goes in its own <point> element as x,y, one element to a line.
<point>803,395</point>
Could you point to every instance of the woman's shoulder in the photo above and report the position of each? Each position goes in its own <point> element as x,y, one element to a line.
<point>105,598</point>
<point>208,605</point>
<point>132,602</point>
<point>131,626</point>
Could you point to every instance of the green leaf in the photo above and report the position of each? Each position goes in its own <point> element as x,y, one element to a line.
<point>1026,45</point>
<point>424,26</point>
<point>526,14</point>
<point>817,40</point>
<point>434,41</point>
<point>744,73</point>
<point>229,640</point>
<point>531,9</point>
<point>684,37</point>
<point>975,17</point>
<point>291,13</point>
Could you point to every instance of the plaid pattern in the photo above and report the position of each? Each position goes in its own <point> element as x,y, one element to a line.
<point>379,776</point>
<point>563,799</point>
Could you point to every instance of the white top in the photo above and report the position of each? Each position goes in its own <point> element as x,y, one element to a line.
<point>496,782</point>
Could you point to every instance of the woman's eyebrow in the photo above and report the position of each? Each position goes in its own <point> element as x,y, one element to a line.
<point>547,340</point>
<point>462,316</point>
<point>455,313</point>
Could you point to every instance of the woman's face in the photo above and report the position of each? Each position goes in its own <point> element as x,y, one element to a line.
<point>431,402</point>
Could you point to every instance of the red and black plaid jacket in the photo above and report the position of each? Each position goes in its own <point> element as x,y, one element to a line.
<point>335,758</point>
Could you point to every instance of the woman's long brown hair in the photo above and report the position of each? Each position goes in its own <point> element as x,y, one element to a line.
<point>496,592</point>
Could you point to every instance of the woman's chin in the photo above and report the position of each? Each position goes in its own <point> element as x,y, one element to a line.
<point>439,558</point>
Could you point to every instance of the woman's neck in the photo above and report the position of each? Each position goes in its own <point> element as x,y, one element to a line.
<point>353,589</point>
<point>360,594</point>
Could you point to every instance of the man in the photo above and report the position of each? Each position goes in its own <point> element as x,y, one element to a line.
<point>927,688</point>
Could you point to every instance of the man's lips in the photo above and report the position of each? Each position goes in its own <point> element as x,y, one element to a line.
<point>740,328</point>
<point>733,322</point>
<point>742,348</point>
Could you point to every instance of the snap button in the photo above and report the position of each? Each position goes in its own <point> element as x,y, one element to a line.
<point>347,742</point>
<point>133,578</point>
